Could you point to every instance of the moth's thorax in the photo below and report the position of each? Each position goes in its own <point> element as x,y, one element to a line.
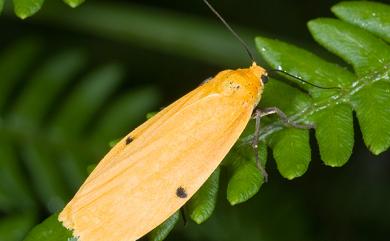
<point>245,83</point>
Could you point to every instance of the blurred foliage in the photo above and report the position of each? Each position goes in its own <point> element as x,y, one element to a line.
<point>58,116</point>
<point>46,142</point>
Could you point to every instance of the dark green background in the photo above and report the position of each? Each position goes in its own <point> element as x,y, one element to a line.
<point>347,203</point>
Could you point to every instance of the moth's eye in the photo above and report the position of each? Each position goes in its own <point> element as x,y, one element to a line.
<point>264,78</point>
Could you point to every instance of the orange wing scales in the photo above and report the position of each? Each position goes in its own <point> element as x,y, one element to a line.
<point>140,184</point>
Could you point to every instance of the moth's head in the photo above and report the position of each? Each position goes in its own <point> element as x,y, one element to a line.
<point>245,84</point>
<point>261,77</point>
<point>260,73</point>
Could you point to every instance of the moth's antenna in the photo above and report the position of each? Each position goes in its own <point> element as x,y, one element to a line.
<point>302,80</point>
<point>244,44</point>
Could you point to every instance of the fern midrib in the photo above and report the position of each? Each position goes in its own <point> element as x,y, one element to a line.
<point>344,96</point>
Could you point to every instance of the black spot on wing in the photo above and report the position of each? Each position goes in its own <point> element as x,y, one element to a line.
<point>129,139</point>
<point>181,192</point>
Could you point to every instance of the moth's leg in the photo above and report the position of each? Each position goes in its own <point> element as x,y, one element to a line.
<point>257,116</point>
<point>286,121</point>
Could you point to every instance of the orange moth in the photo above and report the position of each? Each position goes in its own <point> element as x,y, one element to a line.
<point>154,170</point>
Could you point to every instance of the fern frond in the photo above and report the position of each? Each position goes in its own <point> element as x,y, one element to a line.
<point>365,91</point>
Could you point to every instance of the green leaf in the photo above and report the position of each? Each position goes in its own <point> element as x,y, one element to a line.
<point>293,99</point>
<point>83,101</point>
<point>15,193</point>
<point>244,184</point>
<point>29,110</point>
<point>1,5</point>
<point>291,150</point>
<point>112,143</point>
<point>47,183</point>
<point>372,108</point>
<point>303,64</point>
<point>365,52</point>
<point>202,204</point>
<point>334,133</point>
<point>90,168</point>
<point>15,227</point>
<point>372,16</point>
<point>151,114</point>
<point>49,230</point>
<point>162,231</point>
<point>74,3</point>
<point>246,179</point>
<point>14,62</point>
<point>26,8</point>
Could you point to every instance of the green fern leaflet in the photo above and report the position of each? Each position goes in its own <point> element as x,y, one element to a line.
<point>26,8</point>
